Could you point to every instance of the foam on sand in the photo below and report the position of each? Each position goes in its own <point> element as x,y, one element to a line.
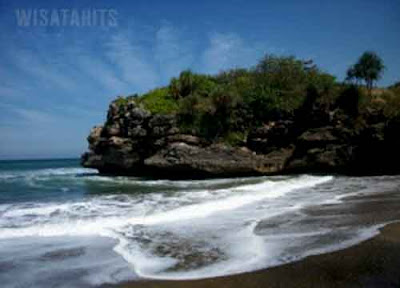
<point>211,219</point>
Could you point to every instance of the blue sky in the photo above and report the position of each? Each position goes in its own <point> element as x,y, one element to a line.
<point>56,82</point>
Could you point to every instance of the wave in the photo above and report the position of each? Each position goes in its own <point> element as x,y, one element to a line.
<point>101,209</point>
<point>194,229</point>
<point>225,219</point>
<point>126,180</point>
<point>17,174</point>
<point>253,193</point>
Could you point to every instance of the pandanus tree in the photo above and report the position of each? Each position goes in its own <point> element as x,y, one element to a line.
<point>368,68</point>
<point>183,86</point>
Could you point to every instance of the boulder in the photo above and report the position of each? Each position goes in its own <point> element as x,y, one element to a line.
<point>318,137</point>
<point>161,125</point>
<point>181,160</point>
<point>136,132</point>
<point>95,134</point>
<point>129,135</point>
<point>187,139</point>
<point>269,137</point>
<point>331,158</point>
<point>113,130</point>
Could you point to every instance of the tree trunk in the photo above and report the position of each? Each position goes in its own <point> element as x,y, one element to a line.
<point>369,87</point>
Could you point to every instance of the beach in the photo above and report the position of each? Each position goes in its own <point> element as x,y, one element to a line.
<point>169,144</point>
<point>372,263</point>
<point>66,226</point>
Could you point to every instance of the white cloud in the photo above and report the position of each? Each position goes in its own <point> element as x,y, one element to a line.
<point>33,116</point>
<point>228,51</point>
<point>42,71</point>
<point>101,73</point>
<point>172,52</point>
<point>135,66</point>
<point>25,116</point>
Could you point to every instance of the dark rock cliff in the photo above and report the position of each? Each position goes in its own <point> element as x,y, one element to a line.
<point>135,142</point>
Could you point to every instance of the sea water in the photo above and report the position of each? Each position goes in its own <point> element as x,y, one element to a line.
<point>66,226</point>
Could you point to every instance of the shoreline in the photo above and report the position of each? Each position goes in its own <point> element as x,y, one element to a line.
<point>372,263</point>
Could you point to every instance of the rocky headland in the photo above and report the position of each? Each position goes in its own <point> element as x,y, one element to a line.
<point>282,116</point>
<point>134,141</point>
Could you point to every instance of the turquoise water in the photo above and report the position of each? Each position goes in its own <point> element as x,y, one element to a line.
<point>40,180</point>
<point>62,225</point>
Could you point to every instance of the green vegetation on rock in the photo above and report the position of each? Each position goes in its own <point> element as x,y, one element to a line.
<point>159,101</point>
<point>226,106</point>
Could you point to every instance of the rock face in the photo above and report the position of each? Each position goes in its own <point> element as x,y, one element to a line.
<point>129,136</point>
<point>180,159</point>
<point>135,142</point>
<point>271,136</point>
<point>321,150</point>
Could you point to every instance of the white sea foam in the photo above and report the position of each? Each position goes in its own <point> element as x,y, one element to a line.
<point>40,173</point>
<point>6,176</point>
<point>100,209</point>
<point>64,171</point>
<point>253,193</point>
<point>126,180</point>
<point>220,220</point>
<point>225,218</point>
<point>189,229</point>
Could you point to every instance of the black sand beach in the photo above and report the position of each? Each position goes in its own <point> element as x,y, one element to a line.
<point>373,263</point>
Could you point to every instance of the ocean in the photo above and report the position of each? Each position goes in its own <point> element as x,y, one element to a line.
<point>66,226</point>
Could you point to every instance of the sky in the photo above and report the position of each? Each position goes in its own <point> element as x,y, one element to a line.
<point>57,79</point>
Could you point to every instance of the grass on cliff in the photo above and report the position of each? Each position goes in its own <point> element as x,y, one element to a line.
<point>159,101</point>
<point>226,106</point>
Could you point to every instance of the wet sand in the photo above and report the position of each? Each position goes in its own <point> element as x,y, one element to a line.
<point>372,263</point>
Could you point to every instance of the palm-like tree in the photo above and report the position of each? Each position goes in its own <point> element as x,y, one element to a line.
<point>175,88</point>
<point>186,80</point>
<point>369,68</point>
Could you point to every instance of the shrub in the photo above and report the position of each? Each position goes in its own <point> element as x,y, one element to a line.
<point>283,73</point>
<point>390,102</point>
<point>189,83</point>
<point>219,112</point>
<point>349,100</point>
<point>159,101</point>
<point>227,105</point>
<point>120,101</point>
<point>234,138</point>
